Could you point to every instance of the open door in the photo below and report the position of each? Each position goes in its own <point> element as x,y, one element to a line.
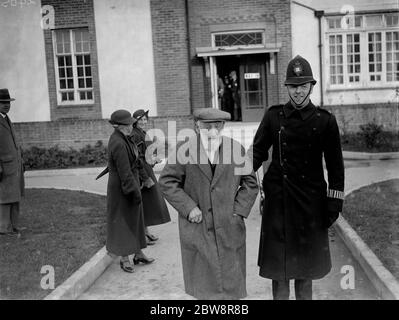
<point>253,86</point>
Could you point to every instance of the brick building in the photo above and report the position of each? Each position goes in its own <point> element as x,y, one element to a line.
<point>71,63</point>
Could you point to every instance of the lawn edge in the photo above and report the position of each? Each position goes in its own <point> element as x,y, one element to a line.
<point>382,279</point>
<point>83,278</point>
<point>354,155</point>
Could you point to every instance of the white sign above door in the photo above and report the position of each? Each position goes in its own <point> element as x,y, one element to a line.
<point>255,75</point>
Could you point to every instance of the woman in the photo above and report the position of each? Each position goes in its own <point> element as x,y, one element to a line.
<point>125,221</point>
<point>155,209</point>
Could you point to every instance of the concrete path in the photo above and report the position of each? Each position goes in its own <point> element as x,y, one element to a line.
<point>163,279</point>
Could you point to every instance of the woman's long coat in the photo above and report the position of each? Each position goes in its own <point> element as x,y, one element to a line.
<point>294,240</point>
<point>213,251</point>
<point>11,168</point>
<point>155,210</point>
<point>125,220</point>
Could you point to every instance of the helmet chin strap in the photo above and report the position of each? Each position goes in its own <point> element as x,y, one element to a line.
<point>303,100</point>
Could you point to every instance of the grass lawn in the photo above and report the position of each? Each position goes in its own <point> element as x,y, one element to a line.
<point>65,229</point>
<point>373,211</point>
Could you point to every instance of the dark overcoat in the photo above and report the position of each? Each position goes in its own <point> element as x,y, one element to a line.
<point>294,240</point>
<point>125,220</point>
<point>12,181</point>
<point>155,210</point>
<point>213,251</point>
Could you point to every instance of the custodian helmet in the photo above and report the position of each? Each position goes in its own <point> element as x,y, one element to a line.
<point>299,72</point>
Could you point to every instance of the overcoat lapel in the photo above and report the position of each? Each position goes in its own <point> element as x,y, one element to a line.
<point>220,167</point>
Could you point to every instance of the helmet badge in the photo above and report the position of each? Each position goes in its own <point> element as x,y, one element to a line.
<point>298,68</point>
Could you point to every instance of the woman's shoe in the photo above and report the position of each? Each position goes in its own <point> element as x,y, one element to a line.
<point>126,266</point>
<point>150,243</point>
<point>142,259</point>
<point>151,237</point>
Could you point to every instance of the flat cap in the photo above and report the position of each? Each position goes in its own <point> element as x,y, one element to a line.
<point>211,115</point>
<point>122,117</point>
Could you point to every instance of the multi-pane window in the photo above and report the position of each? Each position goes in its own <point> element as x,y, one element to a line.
<point>238,39</point>
<point>375,55</point>
<point>73,66</point>
<point>336,60</point>
<point>392,42</point>
<point>365,48</point>
<point>353,56</point>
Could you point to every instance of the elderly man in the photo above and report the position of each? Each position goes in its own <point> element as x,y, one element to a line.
<point>213,191</point>
<point>11,172</point>
<point>299,206</point>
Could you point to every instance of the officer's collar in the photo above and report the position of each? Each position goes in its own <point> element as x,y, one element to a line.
<point>305,112</point>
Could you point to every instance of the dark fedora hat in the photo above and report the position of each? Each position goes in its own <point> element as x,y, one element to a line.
<point>138,114</point>
<point>122,117</point>
<point>5,95</point>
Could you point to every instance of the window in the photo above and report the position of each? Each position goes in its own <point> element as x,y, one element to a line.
<point>350,21</point>
<point>336,60</point>
<point>374,21</point>
<point>73,66</point>
<point>353,57</point>
<point>392,20</point>
<point>375,56</point>
<point>392,41</point>
<point>363,50</point>
<point>238,39</point>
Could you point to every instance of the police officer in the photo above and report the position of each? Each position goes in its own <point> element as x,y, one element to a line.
<point>299,207</point>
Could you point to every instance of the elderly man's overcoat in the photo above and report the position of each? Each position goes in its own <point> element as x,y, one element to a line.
<point>12,181</point>
<point>213,251</point>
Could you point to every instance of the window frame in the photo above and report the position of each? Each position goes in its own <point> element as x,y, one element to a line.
<point>261,31</point>
<point>73,53</point>
<point>363,32</point>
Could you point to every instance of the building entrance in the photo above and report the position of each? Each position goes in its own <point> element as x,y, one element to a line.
<point>241,86</point>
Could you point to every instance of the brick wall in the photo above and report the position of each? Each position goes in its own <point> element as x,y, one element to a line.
<point>172,65</point>
<point>72,14</point>
<point>273,15</point>
<point>350,117</point>
<point>79,133</point>
<point>170,57</point>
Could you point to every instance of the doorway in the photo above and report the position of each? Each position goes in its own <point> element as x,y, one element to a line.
<point>241,86</point>
<point>229,98</point>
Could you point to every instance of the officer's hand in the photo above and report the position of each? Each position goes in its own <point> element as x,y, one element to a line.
<point>195,215</point>
<point>148,183</point>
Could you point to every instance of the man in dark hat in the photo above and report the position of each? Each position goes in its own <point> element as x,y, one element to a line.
<point>11,170</point>
<point>299,206</point>
<point>212,198</point>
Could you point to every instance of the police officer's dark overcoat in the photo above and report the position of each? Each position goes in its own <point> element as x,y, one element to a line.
<point>294,236</point>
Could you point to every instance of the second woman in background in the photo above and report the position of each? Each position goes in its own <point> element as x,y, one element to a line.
<point>155,209</point>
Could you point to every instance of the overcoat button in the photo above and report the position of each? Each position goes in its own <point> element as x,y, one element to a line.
<point>285,176</point>
<point>282,128</point>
